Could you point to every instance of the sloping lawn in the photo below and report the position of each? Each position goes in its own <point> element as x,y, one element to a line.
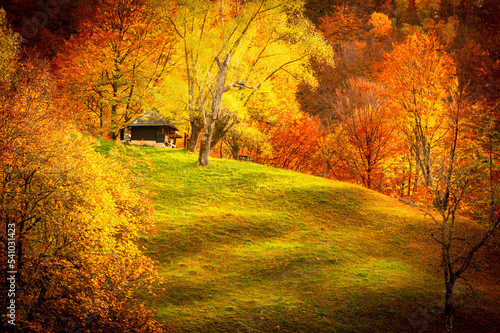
<point>248,248</point>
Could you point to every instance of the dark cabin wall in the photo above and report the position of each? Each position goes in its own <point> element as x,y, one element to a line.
<point>146,133</point>
<point>151,133</point>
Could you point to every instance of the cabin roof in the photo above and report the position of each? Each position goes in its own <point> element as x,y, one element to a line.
<point>151,119</point>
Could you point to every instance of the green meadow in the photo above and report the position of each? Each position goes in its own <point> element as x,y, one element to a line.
<point>243,247</point>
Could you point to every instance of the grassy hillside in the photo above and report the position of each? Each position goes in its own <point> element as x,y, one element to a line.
<point>248,248</point>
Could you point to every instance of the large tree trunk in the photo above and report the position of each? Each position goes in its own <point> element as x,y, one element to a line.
<point>218,91</point>
<point>449,310</point>
<point>196,128</point>
<point>222,125</point>
<point>205,146</point>
<point>235,150</point>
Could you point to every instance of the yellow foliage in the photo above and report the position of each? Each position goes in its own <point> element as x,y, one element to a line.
<point>78,215</point>
<point>9,43</point>
<point>259,40</point>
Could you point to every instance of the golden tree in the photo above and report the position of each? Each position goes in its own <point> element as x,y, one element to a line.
<point>71,217</point>
<point>455,145</point>
<point>229,46</point>
<point>419,76</point>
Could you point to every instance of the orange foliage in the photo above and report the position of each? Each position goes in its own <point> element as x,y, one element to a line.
<point>367,130</point>
<point>106,69</point>
<point>420,81</point>
<point>382,26</point>
<point>292,138</point>
<point>342,25</point>
<point>293,142</point>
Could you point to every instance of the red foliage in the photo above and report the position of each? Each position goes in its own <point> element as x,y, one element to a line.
<point>294,142</point>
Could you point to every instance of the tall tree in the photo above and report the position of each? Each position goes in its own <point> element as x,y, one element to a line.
<point>465,184</point>
<point>109,66</point>
<point>455,146</point>
<point>239,45</point>
<point>419,76</point>
<point>368,127</point>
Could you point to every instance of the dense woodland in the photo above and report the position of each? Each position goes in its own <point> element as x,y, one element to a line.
<point>400,96</point>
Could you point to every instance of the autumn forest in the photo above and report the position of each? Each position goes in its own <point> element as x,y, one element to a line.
<point>401,97</point>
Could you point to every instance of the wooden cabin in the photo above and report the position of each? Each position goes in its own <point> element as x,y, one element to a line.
<point>150,129</point>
